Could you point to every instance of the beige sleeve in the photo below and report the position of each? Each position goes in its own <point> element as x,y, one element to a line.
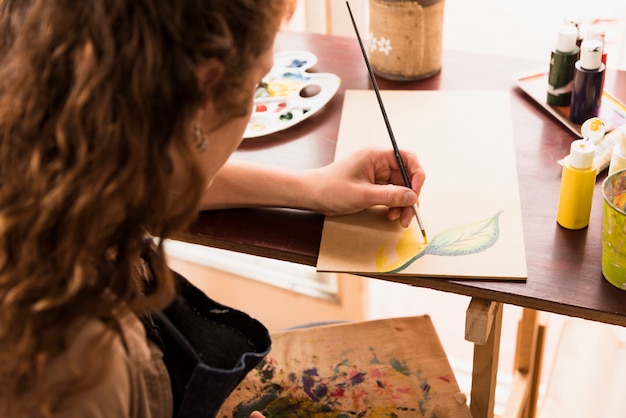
<point>135,383</point>
<point>111,395</point>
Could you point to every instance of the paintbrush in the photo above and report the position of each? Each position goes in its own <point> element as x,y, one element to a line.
<point>405,176</point>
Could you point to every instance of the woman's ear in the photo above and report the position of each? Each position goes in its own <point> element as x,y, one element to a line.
<point>209,73</point>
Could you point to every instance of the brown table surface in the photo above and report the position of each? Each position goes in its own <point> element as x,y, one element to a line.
<point>564,268</point>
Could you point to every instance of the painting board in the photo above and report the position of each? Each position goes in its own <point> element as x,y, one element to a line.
<point>394,367</point>
<point>469,203</point>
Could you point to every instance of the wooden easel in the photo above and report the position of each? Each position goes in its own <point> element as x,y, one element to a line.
<point>483,327</point>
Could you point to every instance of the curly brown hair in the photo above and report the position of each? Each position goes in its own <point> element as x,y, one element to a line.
<point>94,98</point>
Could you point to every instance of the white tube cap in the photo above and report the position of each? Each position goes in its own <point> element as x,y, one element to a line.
<point>581,154</point>
<point>566,38</point>
<point>591,54</point>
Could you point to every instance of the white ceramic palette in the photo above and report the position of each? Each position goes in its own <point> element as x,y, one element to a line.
<point>289,94</point>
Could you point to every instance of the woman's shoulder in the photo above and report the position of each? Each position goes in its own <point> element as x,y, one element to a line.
<point>133,381</point>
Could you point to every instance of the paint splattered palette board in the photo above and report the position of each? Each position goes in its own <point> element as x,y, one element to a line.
<point>470,201</point>
<point>383,368</point>
<point>289,94</point>
<point>535,84</point>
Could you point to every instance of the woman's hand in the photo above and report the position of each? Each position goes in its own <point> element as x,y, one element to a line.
<point>364,179</point>
<point>257,414</point>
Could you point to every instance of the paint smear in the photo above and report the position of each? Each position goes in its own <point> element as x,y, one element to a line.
<point>408,246</point>
<point>387,389</point>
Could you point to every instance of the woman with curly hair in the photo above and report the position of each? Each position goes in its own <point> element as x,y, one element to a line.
<point>117,118</point>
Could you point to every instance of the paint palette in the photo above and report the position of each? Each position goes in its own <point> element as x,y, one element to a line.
<point>289,94</point>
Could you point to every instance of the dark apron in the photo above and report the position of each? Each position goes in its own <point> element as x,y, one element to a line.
<point>208,349</point>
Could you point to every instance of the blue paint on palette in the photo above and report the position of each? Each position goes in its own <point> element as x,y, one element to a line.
<point>296,63</point>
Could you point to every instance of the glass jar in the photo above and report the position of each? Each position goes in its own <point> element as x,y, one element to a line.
<point>405,38</point>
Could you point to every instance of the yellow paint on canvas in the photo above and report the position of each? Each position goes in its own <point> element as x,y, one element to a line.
<point>408,246</point>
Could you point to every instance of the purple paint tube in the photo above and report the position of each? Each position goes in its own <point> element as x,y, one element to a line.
<point>588,81</point>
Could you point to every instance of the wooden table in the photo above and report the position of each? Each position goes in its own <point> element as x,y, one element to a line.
<point>564,271</point>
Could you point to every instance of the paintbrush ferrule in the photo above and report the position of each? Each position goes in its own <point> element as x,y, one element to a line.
<point>420,222</point>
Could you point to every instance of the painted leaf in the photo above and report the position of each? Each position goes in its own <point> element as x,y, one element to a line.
<point>461,240</point>
<point>466,239</point>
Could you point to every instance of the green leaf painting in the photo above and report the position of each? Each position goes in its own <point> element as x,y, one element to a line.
<point>458,241</point>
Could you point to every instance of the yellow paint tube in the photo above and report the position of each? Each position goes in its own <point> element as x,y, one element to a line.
<point>578,180</point>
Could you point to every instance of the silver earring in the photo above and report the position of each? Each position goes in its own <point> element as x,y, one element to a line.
<point>199,138</point>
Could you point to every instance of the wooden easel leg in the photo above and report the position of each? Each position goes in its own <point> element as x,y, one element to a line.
<point>529,356</point>
<point>527,367</point>
<point>483,327</point>
<point>533,400</point>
